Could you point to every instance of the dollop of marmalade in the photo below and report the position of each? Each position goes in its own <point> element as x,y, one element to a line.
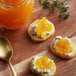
<point>63,46</point>
<point>42,27</point>
<point>43,63</point>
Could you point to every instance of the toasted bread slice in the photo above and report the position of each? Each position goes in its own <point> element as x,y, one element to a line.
<point>39,38</point>
<point>65,55</point>
<point>42,72</point>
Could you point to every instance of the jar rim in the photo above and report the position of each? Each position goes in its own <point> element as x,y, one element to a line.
<point>10,5</point>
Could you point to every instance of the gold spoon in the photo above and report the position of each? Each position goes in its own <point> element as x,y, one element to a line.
<point>6,52</point>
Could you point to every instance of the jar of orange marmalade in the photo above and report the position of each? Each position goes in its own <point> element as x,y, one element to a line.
<point>15,13</point>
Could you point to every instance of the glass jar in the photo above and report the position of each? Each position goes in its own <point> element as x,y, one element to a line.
<point>15,16</point>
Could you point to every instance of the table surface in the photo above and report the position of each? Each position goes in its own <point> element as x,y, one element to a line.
<point>24,48</point>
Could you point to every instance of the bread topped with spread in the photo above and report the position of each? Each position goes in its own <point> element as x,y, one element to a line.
<point>41,29</point>
<point>63,47</point>
<point>43,66</point>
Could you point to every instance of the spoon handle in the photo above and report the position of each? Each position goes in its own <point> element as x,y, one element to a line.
<point>12,69</point>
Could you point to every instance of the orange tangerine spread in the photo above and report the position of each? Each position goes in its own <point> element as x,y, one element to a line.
<point>15,13</point>
<point>12,1</point>
<point>43,63</point>
<point>63,46</point>
<point>42,27</point>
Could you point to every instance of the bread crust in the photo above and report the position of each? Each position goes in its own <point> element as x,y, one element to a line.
<point>34,38</point>
<point>42,74</point>
<point>53,50</point>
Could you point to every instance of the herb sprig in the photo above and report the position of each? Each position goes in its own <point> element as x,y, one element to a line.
<point>40,1</point>
<point>62,6</point>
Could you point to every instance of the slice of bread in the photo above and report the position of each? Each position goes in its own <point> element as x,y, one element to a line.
<point>54,50</point>
<point>51,73</point>
<point>37,38</point>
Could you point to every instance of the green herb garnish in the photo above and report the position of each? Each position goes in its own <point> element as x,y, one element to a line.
<point>40,1</point>
<point>59,5</point>
<point>63,9</point>
<point>62,6</point>
<point>55,3</point>
<point>64,3</point>
<point>64,16</point>
<point>47,5</point>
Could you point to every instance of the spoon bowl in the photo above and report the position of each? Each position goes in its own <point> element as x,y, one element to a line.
<point>5,49</point>
<point>6,52</point>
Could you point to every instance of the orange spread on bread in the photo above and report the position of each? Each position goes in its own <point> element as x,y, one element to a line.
<point>43,63</point>
<point>42,27</point>
<point>63,46</point>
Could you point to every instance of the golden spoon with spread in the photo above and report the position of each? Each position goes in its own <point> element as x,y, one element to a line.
<point>6,52</point>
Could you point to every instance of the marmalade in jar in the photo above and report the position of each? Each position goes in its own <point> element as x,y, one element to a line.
<point>15,13</point>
